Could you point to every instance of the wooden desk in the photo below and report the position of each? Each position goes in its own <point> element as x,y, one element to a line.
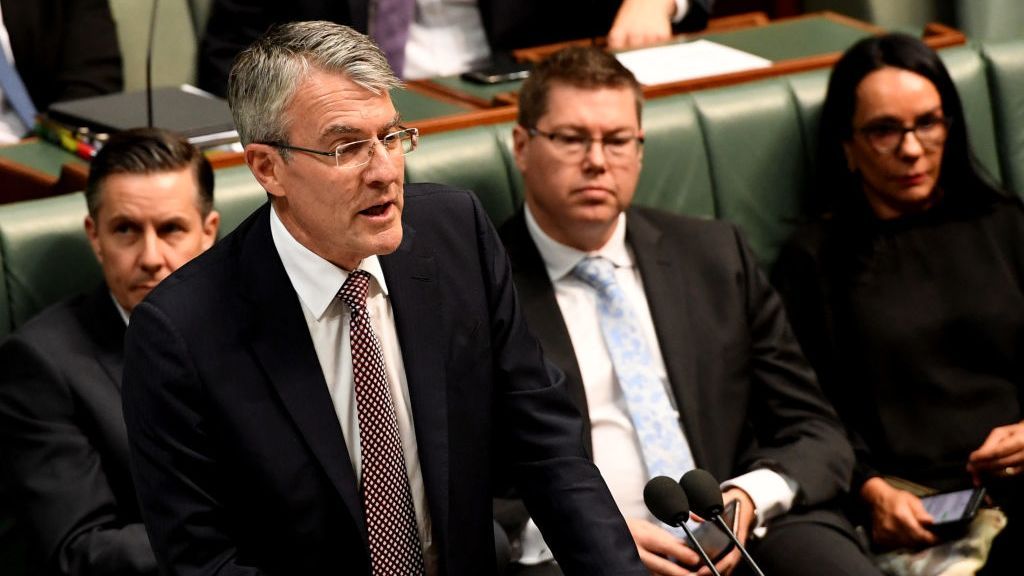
<point>793,44</point>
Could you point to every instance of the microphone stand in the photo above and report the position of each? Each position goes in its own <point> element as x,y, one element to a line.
<point>149,65</point>
<point>700,549</point>
<point>746,555</point>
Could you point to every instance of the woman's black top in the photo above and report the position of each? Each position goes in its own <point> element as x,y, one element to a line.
<point>916,328</point>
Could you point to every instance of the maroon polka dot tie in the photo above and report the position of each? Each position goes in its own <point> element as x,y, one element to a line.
<point>387,499</point>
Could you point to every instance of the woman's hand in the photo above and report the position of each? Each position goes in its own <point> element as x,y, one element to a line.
<point>641,22</point>
<point>1000,455</point>
<point>898,518</point>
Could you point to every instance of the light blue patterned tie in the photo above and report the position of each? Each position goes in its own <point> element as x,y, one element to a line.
<point>16,93</point>
<point>665,451</point>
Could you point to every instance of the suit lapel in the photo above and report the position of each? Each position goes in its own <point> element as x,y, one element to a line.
<point>665,287</point>
<point>107,329</point>
<point>415,298</point>
<point>281,343</point>
<point>537,295</point>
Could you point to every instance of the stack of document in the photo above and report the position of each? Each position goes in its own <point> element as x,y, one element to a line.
<point>686,61</point>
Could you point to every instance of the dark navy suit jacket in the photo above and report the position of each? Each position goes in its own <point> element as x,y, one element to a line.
<point>239,459</point>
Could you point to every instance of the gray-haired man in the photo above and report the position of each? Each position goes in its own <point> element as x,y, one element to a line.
<point>329,390</point>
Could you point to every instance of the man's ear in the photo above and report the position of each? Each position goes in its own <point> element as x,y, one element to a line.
<point>92,232</point>
<point>520,137</point>
<point>210,226</point>
<point>265,163</point>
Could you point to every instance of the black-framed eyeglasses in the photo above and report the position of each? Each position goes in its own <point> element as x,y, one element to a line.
<point>886,136</point>
<point>360,152</point>
<point>574,146</point>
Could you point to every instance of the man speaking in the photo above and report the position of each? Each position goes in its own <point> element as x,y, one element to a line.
<point>329,389</point>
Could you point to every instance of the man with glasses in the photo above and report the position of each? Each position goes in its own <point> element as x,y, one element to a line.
<point>329,391</point>
<point>672,341</point>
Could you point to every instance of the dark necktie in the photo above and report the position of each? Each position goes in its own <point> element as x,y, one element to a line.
<point>387,499</point>
<point>16,94</point>
<point>390,29</point>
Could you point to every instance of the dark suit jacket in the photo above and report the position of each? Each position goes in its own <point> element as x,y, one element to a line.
<point>63,49</point>
<point>509,24</point>
<point>63,445</point>
<point>237,452</point>
<point>747,397</point>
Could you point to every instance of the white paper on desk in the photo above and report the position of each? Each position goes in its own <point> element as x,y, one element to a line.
<point>687,60</point>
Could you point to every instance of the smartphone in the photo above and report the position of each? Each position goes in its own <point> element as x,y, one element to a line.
<point>953,511</point>
<point>498,71</point>
<point>713,539</point>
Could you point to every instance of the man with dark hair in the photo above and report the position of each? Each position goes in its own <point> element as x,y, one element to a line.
<point>330,390</point>
<point>671,339</point>
<point>63,445</point>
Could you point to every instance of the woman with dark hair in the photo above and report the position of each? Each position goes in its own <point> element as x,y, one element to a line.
<point>907,293</point>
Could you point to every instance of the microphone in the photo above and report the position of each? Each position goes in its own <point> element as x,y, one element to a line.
<point>665,499</point>
<point>703,490</point>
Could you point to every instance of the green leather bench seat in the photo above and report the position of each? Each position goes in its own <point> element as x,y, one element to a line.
<point>742,153</point>
<point>1004,64</point>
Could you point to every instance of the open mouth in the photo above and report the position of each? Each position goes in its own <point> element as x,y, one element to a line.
<point>377,210</point>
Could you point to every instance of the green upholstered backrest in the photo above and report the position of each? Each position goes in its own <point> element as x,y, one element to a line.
<point>756,155</point>
<point>475,158</point>
<point>1005,67</point>
<point>236,194</point>
<point>967,68</point>
<point>46,255</point>
<point>675,173</point>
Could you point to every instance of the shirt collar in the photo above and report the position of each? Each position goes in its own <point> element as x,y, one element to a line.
<point>560,259</point>
<point>120,309</point>
<point>315,280</point>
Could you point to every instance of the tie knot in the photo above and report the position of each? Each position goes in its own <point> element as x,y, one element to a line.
<point>353,291</point>
<point>597,272</point>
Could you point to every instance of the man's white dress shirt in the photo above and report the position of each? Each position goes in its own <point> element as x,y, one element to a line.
<point>616,448</point>
<point>317,282</point>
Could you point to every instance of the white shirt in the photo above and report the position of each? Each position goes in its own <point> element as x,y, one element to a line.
<point>447,37</point>
<point>616,448</point>
<point>11,127</point>
<point>317,282</point>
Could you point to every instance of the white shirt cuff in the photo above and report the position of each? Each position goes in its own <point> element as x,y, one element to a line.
<point>682,7</point>
<point>771,492</point>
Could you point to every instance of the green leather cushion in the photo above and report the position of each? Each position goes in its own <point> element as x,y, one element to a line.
<point>1005,62</point>
<point>755,150</point>
<point>46,254</point>
<point>475,159</point>
<point>236,194</point>
<point>675,175</point>
<point>968,71</point>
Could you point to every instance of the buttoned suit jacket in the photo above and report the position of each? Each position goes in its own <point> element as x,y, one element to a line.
<point>746,395</point>
<point>63,49</point>
<point>234,24</point>
<point>240,461</point>
<point>63,445</point>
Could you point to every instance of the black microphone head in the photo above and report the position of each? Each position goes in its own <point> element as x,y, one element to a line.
<point>666,500</point>
<point>703,491</point>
